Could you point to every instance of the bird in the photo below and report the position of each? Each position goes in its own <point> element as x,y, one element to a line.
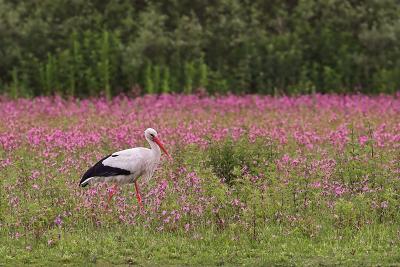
<point>126,166</point>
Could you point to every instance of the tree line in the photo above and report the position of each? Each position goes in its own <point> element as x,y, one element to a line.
<point>97,47</point>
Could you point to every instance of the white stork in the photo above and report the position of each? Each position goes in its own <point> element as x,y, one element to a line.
<point>126,166</point>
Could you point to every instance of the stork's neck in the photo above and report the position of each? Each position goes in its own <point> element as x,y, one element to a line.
<point>154,148</point>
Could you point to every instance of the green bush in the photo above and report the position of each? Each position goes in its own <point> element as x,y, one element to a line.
<point>231,160</point>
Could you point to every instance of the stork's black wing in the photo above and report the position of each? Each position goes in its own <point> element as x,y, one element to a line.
<point>100,170</point>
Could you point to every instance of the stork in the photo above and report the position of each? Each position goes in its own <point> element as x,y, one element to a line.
<point>126,166</point>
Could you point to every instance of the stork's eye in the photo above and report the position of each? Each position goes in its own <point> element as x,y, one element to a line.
<point>152,135</point>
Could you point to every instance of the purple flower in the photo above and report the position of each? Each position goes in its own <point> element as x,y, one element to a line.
<point>58,221</point>
<point>187,227</point>
<point>362,140</point>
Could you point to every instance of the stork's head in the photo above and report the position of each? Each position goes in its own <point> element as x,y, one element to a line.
<point>151,136</point>
<point>150,133</point>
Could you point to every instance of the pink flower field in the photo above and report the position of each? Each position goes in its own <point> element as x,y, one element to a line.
<point>320,167</point>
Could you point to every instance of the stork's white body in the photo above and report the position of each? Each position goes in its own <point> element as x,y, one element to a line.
<point>139,161</point>
<point>126,166</point>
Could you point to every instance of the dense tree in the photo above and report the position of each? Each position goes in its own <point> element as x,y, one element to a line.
<point>94,47</point>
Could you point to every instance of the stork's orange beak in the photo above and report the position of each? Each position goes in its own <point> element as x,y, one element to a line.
<point>158,142</point>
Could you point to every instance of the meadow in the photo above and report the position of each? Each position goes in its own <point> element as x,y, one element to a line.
<point>254,180</point>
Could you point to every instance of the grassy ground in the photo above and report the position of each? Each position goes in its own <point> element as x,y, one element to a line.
<point>273,246</point>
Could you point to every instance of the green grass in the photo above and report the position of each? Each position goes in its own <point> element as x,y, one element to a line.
<point>375,245</point>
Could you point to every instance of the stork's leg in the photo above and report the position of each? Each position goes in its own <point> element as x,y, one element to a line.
<point>111,192</point>
<point>139,198</point>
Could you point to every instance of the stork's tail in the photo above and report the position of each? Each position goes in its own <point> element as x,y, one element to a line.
<point>85,182</point>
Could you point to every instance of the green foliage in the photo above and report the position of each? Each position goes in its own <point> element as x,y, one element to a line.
<point>104,64</point>
<point>387,81</point>
<point>189,71</point>
<point>165,84</point>
<point>14,88</point>
<point>149,86</point>
<point>232,160</point>
<point>84,48</point>
<point>203,74</point>
<point>223,161</point>
<point>86,67</point>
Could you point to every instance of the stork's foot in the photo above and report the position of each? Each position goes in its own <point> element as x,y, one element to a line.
<point>111,192</point>
<point>138,196</point>
<point>139,199</point>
